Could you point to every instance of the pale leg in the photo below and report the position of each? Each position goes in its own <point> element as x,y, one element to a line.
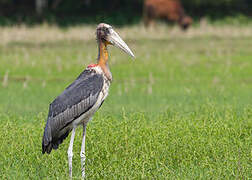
<point>82,153</point>
<point>70,152</point>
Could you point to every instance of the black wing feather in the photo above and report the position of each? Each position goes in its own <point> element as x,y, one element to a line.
<point>75,100</point>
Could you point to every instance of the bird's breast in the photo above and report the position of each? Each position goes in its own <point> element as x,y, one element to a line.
<point>86,117</point>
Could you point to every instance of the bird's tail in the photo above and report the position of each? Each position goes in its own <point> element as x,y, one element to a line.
<point>47,140</point>
<point>50,141</point>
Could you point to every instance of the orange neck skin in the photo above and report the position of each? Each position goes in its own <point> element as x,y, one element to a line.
<point>103,58</point>
<point>103,54</point>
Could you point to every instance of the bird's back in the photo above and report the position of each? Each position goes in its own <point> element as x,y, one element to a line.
<point>77,99</point>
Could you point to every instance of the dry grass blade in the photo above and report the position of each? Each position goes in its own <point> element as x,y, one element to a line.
<point>46,33</point>
<point>5,79</point>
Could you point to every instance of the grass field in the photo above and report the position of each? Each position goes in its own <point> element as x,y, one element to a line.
<point>181,110</point>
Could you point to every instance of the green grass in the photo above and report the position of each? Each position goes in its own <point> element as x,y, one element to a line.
<point>181,110</point>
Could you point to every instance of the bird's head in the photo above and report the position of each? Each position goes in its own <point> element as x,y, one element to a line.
<point>107,35</point>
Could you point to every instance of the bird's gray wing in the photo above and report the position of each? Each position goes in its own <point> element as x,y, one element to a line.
<point>75,100</point>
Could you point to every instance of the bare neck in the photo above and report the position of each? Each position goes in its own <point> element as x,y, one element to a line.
<point>102,53</point>
<point>103,58</point>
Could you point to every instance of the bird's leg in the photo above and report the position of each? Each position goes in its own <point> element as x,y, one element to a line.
<point>70,152</point>
<point>82,153</point>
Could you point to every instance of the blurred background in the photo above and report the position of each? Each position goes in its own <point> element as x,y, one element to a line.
<point>181,110</point>
<point>119,12</point>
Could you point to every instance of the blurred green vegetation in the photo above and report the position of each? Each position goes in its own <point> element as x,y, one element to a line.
<point>181,110</point>
<point>119,12</point>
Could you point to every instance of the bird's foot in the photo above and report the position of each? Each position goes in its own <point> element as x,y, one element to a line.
<point>83,158</point>
<point>83,175</point>
<point>70,166</point>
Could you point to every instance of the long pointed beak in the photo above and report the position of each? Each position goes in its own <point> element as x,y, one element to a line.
<point>116,40</point>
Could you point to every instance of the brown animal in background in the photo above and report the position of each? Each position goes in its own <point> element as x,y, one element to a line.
<point>171,10</point>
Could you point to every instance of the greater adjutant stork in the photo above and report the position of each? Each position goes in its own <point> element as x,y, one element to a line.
<point>80,100</point>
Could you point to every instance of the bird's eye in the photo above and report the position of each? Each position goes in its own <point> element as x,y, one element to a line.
<point>107,31</point>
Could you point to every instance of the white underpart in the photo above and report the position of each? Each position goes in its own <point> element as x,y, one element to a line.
<point>84,119</point>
